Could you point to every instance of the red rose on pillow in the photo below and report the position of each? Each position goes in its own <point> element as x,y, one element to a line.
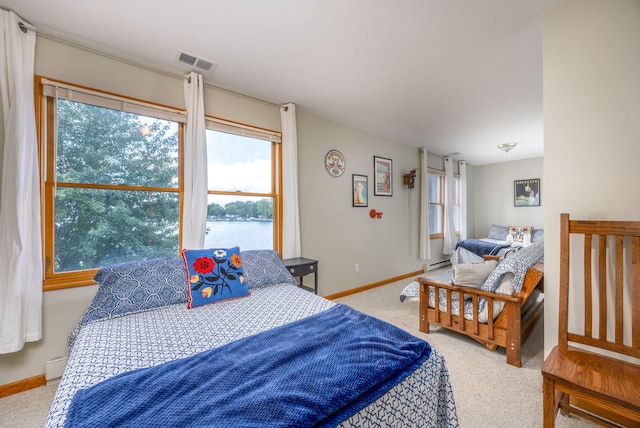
<point>204,265</point>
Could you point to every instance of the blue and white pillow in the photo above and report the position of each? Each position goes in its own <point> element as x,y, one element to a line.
<point>133,287</point>
<point>264,267</point>
<point>517,263</point>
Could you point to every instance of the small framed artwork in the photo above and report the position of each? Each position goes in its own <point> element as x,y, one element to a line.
<point>526,193</point>
<point>382,173</point>
<point>360,189</point>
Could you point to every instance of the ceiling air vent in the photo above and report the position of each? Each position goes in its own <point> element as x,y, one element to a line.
<point>196,62</point>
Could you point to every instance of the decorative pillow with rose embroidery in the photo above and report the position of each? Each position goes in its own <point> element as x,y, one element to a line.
<point>213,275</point>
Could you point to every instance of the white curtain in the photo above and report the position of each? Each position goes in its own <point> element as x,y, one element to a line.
<point>291,213</point>
<point>194,210</point>
<point>20,234</point>
<point>462,169</point>
<point>425,239</point>
<point>449,239</point>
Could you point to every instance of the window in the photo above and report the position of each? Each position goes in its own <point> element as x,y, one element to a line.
<point>111,187</point>
<point>456,208</point>
<point>436,204</point>
<point>111,171</point>
<point>243,205</point>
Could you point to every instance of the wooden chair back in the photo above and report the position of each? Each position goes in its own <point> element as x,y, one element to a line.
<point>610,254</point>
<point>593,372</point>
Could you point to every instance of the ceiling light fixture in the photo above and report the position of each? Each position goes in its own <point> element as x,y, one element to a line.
<point>144,130</point>
<point>506,147</point>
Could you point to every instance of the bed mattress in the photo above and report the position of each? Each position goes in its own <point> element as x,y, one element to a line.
<point>106,348</point>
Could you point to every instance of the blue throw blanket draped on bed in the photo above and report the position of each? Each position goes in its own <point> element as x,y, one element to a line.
<point>480,247</point>
<point>316,371</point>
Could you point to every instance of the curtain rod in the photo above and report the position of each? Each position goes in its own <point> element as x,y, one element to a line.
<point>70,42</point>
<point>24,27</point>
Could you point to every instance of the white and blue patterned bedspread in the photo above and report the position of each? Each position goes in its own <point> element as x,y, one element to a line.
<point>105,348</point>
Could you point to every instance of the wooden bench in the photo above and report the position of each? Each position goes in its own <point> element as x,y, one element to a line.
<point>601,384</point>
<point>509,328</point>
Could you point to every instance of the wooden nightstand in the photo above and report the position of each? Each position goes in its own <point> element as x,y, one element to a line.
<point>300,267</point>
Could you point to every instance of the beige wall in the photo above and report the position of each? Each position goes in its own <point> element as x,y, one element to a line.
<point>82,67</point>
<point>333,231</point>
<point>592,122</point>
<point>340,235</point>
<point>494,195</point>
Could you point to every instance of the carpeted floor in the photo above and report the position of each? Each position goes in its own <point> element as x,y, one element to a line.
<point>488,391</point>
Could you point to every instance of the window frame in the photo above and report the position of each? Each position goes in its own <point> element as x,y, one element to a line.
<point>440,204</point>
<point>226,126</point>
<point>46,116</point>
<point>456,177</point>
<point>45,110</point>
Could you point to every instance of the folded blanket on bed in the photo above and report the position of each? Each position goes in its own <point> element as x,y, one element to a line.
<point>480,247</point>
<point>316,371</point>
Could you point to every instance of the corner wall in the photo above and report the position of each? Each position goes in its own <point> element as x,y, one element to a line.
<point>339,235</point>
<point>592,126</point>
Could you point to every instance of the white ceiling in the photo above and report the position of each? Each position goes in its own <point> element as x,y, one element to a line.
<point>456,76</point>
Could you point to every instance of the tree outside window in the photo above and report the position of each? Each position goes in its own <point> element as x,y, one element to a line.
<point>115,188</point>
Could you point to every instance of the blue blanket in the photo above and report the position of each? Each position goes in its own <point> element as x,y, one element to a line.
<point>480,247</point>
<point>316,371</point>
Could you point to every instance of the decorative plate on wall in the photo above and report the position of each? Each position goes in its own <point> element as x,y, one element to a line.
<point>334,163</point>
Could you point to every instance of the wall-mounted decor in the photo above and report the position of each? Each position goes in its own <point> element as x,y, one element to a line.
<point>375,214</point>
<point>334,163</point>
<point>410,179</point>
<point>526,193</point>
<point>360,189</point>
<point>382,173</point>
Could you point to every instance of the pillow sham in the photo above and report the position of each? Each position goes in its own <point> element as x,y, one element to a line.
<point>537,235</point>
<point>136,286</point>
<point>498,233</point>
<point>520,233</point>
<point>473,274</point>
<point>263,268</point>
<point>213,275</point>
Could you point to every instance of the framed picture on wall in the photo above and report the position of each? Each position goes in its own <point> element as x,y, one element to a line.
<point>526,193</point>
<point>382,173</point>
<point>360,188</point>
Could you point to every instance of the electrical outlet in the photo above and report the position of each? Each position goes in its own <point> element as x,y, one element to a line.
<point>357,267</point>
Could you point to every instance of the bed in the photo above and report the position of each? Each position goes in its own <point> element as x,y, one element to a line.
<point>499,311</point>
<point>501,240</point>
<point>138,331</point>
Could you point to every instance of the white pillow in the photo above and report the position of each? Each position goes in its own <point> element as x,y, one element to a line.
<point>472,274</point>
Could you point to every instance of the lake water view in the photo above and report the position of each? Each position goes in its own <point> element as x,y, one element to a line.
<point>248,235</point>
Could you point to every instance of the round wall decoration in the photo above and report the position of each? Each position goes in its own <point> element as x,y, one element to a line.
<point>334,163</point>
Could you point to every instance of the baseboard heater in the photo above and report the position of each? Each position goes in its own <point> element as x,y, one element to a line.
<point>54,368</point>
<point>438,265</point>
